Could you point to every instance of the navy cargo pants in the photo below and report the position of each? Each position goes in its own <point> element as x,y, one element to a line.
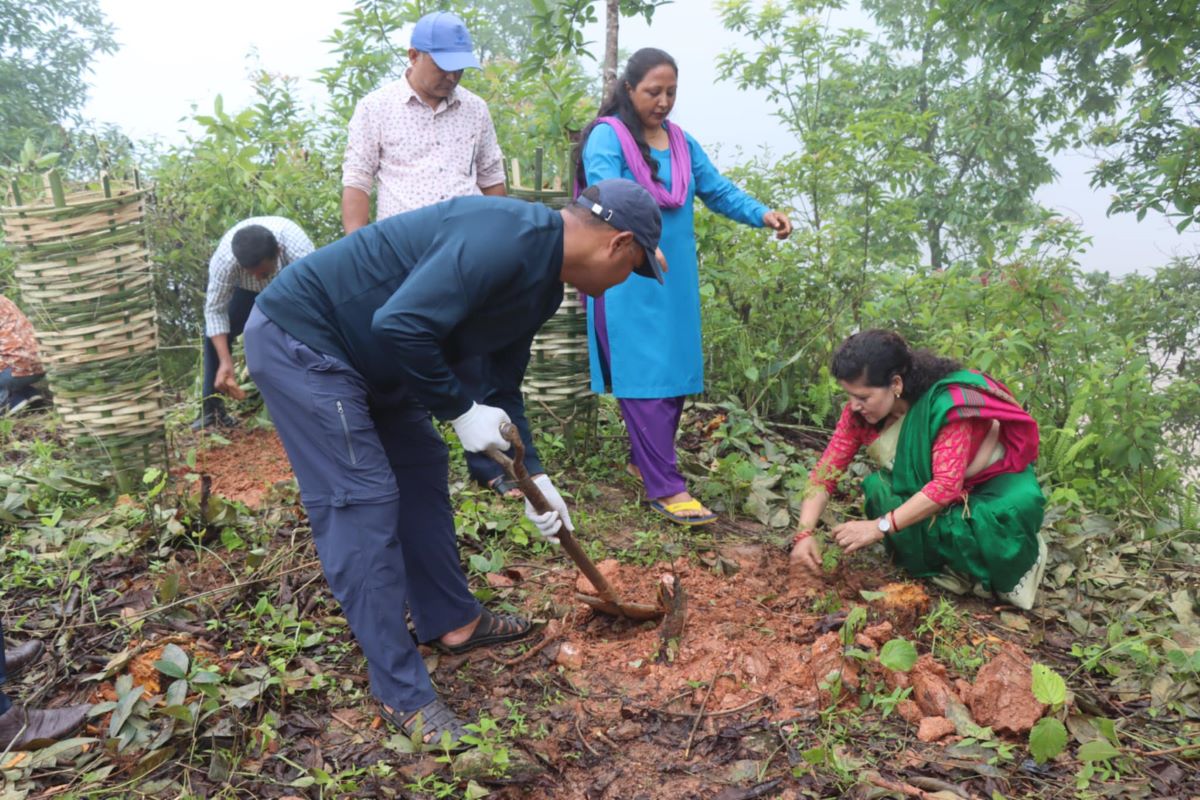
<point>373,479</point>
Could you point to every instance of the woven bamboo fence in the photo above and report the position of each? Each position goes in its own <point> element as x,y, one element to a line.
<point>557,385</point>
<point>86,279</point>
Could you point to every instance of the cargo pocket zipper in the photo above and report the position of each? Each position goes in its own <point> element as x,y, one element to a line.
<point>346,430</point>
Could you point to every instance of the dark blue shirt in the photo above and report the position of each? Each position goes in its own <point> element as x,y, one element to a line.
<point>402,299</point>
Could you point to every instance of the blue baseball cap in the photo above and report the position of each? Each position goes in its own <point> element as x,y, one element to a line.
<point>626,206</point>
<point>444,36</point>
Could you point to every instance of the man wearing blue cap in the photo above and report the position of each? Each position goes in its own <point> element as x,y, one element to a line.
<point>421,140</point>
<point>351,348</point>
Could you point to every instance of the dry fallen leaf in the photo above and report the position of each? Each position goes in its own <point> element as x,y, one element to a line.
<point>16,760</point>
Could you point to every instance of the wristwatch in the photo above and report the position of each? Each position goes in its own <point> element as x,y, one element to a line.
<point>884,524</point>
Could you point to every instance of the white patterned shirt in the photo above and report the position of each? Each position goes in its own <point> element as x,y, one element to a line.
<point>420,156</point>
<point>224,274</point>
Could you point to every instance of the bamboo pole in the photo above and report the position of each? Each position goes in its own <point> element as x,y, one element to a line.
<point>557,386</point>
<point>56,189</point>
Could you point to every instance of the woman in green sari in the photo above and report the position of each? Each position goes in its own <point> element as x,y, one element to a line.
<point>955,498</point>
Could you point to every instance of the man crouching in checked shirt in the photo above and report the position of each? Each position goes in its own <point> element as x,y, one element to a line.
<point>248,256</point>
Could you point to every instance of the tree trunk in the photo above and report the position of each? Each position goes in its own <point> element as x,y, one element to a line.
<point>937,255</point>
<point>612,23</point>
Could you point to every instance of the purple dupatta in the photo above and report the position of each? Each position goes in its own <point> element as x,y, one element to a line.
<point>681,163</point>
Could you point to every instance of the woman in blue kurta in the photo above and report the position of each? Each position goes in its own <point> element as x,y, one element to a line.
<point>645,340</point>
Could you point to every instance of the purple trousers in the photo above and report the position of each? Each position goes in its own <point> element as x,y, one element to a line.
<point>651,424</point>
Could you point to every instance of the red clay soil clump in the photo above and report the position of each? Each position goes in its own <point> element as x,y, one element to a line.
<point>1002,696</point>
<point>932,729</point>
<point>245,469</point>
<point>931,686</point>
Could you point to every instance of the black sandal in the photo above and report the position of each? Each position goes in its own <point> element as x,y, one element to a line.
<point>430,722</point>
<point>492,629</point>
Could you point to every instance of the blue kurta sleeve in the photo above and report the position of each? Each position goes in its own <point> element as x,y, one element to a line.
<point>719,193</point>
<point>602,156</point>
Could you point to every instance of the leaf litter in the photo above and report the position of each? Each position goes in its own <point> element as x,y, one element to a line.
<point>764,654</point>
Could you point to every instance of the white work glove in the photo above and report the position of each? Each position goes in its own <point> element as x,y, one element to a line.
<point>479,428</point>
<point>549,523</point>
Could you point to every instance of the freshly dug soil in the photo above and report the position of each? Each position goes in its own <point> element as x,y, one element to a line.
<point>759,644</point>
<point>753,635</point>
<point>245,469</point>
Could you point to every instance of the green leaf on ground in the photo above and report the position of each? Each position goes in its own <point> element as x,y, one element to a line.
<point>123,710</point>
<point>174,662</point>
<point>1107,728</point>
<point>1047,739</point>
<point>1048,686</point>
<point>1098,750</point>
<point>898,655</point>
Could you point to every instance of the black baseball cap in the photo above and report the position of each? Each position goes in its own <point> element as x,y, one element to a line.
<point>626,206</point>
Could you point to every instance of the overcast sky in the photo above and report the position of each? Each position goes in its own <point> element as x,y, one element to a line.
<point>174,54</point>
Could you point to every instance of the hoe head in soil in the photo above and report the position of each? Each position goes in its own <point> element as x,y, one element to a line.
<point>608,602</point>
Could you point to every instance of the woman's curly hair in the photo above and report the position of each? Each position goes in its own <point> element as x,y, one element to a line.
<point>876,356</point>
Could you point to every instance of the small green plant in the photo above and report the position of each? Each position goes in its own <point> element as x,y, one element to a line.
<point>490,751</point>
<point>1048,737</point>
<point>830,759</point>
<point>1120,652</point>
<point>649,547</point>
<point>943,627</point>
<point>828,603</point>
<point>855,620</point>
<point>517,724</point>
<point>886,703</point>
<point>433,785</point>
<point>492,742</point>
<point>283,634</point>
<point>978,739</point>
<point>1101,760</point>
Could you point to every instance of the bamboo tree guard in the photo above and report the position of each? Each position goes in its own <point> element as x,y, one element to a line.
<point>557,385</point>
<point>86,279</point>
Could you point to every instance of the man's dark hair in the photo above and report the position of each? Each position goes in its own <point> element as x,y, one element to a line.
<point>252,245</point>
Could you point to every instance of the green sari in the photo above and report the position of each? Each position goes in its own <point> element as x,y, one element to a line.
<point>992,537</point>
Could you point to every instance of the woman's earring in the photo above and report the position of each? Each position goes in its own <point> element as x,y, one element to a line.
<point>897,395</point>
